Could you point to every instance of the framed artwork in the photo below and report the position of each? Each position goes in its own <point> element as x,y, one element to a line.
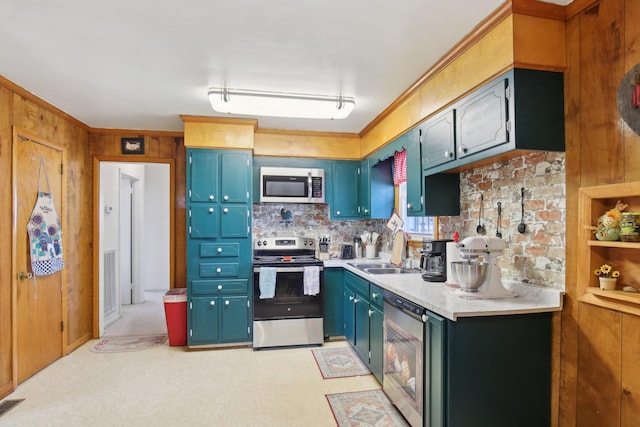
<point>132,145</point>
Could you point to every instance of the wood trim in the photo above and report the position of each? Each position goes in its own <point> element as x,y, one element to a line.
<point>19,90</point>
<point>219,120</point>
<point>96,228</point>
<point>476,34</point>
<point>136,132</point>
<point>78,343</point>
<point>539,9</point>
<point>308,133</point>
<point>577,6</point>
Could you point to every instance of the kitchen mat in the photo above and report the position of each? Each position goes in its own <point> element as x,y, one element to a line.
<point>364,408</point>
<point>119,344</point>
<point>339,362</point>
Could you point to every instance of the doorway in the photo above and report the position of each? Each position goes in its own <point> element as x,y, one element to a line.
<point>134,256</point>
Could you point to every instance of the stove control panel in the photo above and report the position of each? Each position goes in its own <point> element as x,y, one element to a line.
<point>285,243</point>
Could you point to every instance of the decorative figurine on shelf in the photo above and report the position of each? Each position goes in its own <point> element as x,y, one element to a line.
<point>607,277</point>
<point>608,227</point>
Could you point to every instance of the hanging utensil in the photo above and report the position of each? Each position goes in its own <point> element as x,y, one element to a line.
<point>480,227</point>
<point>522,227</point>
<point>498,233</point>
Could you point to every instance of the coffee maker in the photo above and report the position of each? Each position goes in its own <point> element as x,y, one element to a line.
<point>433,261</point>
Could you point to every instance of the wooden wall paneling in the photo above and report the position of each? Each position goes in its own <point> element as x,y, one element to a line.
<point>538,43</point>
<point>212,132</point>
<point>322,145</point>
<point>630,411</point>
<point>6,281</point>
<point>601,53</point>
<point>79,197</point>
<point>598,400</point>
<point>631,58</point>
<point>568,353</point>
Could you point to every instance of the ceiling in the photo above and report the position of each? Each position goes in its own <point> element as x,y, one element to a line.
<point>140,64</point>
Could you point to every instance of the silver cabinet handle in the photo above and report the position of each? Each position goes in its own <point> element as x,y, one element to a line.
<point>219,287</point>
<point>355,301</point>
<point>462,149</point>
<point>370,313</point>
<point>366,211</point>
<point>219,250</point>
<point>337,212</point>
<point>374,295</point>
<point>226,197</point>
<point>211,197</point>
<point>225,210</point>
<point>448,154</point>
<point>210,210</point>
<point>212,303</point>
<point>218,270</point>
<point>351,298</point>
<point>226,302</point>
<point>409,205</point>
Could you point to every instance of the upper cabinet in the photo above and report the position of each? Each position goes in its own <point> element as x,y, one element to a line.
<point>346,185</point>
<point>519,111</point>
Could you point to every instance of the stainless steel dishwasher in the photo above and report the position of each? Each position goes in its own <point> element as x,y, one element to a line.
<point>403,380</point>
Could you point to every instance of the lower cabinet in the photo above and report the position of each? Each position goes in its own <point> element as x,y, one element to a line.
<point>333,302</point>
<point>363,321</point>
<point>220,319</point>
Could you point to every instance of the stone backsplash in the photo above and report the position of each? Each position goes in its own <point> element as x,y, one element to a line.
<point>537,256</point>
<point>312,220</point>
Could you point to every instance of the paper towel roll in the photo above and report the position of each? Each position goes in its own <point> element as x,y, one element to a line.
<point>453,254</point>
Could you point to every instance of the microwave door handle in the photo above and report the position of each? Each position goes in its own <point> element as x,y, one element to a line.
<point>309,186</point>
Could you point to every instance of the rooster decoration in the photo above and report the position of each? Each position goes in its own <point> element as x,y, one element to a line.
<point>286,216</point>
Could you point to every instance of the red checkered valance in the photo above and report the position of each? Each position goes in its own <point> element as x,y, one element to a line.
<point>400,167</point>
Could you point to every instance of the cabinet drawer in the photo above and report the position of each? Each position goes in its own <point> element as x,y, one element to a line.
<point>219,269</point>
<point>208,250</point>
<point>357,283</point>
<point>201,287</point>
<point>375,295</point>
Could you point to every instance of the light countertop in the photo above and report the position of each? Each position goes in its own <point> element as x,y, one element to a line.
<point>451,303</point>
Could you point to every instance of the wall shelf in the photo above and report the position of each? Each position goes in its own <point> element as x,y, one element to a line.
<point>624,256</point>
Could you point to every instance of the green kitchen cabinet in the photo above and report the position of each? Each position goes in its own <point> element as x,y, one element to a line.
<point>364,190</point>
<point>520,110</point>
<point>219,319</point>
<point>333,302</point>
<point>442,194</point>
<point>473,371</point>
<point>415,184</point>
<point>346,190</point>
<point>218,247</point>
<point>438,139</point>
<point>363,317</point>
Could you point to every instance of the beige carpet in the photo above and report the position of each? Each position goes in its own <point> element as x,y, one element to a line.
<point>168,386</point>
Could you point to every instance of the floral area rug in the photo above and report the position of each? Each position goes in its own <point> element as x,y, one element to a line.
<point>119,344</point>
<point>339,362</point>
<point>364,409</point>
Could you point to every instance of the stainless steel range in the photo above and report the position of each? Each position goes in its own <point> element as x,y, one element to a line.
<point>287,292</point>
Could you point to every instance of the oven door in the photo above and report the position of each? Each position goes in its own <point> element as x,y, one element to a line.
<point>403,362</point>
<point>289,301</point>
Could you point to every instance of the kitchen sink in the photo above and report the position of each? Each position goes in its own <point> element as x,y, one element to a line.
<point>380,268</point>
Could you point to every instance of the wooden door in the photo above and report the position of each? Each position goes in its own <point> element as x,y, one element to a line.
<point>38,309</point>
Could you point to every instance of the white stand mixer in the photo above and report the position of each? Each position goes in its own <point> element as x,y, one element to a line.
<point>489,249</point>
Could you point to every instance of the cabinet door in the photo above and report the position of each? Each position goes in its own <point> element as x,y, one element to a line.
<point>204,325</point>
<point>415,206</point>
<point>333,294</point>
<point>235,318</point>
<point>235,177</point>
<point>234,221</point>
<point>438,139</point>
<point>376,341</point>
<point>349,315</point>
<point>630,413</point>
<point>362,327</point>
<point>204,221</point>
<point>482,120</point>
<point>203,176</point>
<point>345,190</point>
<point>364,189</point>
<point>434,379</point>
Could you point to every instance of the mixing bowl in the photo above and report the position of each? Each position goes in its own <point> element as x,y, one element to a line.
<point>469,275</point>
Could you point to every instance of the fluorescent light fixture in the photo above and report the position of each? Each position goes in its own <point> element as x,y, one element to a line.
<point>274,104</point>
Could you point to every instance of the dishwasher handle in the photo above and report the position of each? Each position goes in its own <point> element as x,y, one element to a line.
<point>409,307</point>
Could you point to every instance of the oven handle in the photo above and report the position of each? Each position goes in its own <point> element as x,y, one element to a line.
<point>286,269</point>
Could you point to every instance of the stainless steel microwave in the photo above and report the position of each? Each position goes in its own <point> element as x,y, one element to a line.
<point>291,185</point>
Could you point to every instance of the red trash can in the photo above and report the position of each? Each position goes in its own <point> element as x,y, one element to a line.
<point>175,310</point>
